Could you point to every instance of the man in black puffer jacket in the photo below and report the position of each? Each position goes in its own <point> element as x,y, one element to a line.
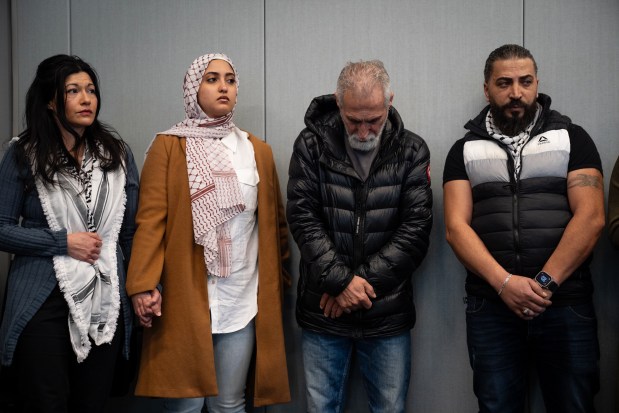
<point>360,209</point>
<point>524,208</point>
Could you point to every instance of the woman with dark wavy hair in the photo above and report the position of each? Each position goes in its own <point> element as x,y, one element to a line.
<point>67,208</point>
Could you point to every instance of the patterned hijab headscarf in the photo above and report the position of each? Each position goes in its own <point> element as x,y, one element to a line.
<point>215,191</point>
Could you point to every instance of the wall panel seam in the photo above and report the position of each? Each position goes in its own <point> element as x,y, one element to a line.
<point>14,70</point>
<point>523,22</point>
<point>264,69</point>
<point>69,24</point>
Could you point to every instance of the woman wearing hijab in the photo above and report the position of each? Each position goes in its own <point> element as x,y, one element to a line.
<point>67,207</point>
<point>207,277</point>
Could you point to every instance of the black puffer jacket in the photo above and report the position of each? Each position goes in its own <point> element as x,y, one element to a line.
<point>378,229</point>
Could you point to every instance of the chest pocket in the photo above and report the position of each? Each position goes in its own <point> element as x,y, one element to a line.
<point>248,178</point>
<point>243,225</point>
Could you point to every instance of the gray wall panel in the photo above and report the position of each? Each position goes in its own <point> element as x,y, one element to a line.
<point>435,59</point>
<point>575,44</point>
<point>141,51</point>
<point>42,29</point>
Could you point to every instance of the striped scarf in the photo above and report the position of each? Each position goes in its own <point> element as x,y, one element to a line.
<point>89,200</point>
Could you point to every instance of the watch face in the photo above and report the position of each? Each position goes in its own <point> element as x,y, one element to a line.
<point>543,278</point>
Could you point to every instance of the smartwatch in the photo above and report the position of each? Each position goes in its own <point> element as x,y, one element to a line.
<point>545,281</point>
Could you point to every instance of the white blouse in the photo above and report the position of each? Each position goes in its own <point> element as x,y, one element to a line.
<point>233,301</point>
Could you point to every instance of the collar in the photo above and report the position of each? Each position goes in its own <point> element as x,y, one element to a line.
<point>234,138</point>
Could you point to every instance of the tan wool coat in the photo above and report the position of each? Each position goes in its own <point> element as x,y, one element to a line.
<point>177,352</point>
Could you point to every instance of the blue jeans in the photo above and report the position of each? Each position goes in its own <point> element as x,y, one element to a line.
<point>561,343</point>
<point>385,364</point>
<point>233,352</point>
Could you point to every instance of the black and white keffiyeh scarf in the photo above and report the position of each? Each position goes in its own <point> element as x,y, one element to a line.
<point>514,143</point>
<point>88,200</point>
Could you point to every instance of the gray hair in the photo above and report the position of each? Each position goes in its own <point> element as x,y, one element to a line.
<point>362,77</point>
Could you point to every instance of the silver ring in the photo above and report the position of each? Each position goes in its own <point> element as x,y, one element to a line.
<point>526,311</point>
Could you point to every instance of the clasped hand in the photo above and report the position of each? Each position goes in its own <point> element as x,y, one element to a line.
<point>358,294</point>
<point>525,297</point>
<point>147,305</point>
<point>84,246</point>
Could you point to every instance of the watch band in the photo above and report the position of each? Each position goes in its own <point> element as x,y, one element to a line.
<point>546,281</point>
<point>552,286</point>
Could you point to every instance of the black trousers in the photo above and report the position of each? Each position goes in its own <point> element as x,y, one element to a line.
<point>49,378</point>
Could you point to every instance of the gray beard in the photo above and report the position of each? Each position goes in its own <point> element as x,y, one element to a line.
<point>370,143</point>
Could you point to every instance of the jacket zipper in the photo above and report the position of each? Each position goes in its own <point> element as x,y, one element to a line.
<point>514,181</point>
<point>359,223</point>
<point>515,186</point>
<point>359,250</point>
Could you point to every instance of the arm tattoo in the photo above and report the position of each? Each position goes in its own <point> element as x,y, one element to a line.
<point>585,180</point>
